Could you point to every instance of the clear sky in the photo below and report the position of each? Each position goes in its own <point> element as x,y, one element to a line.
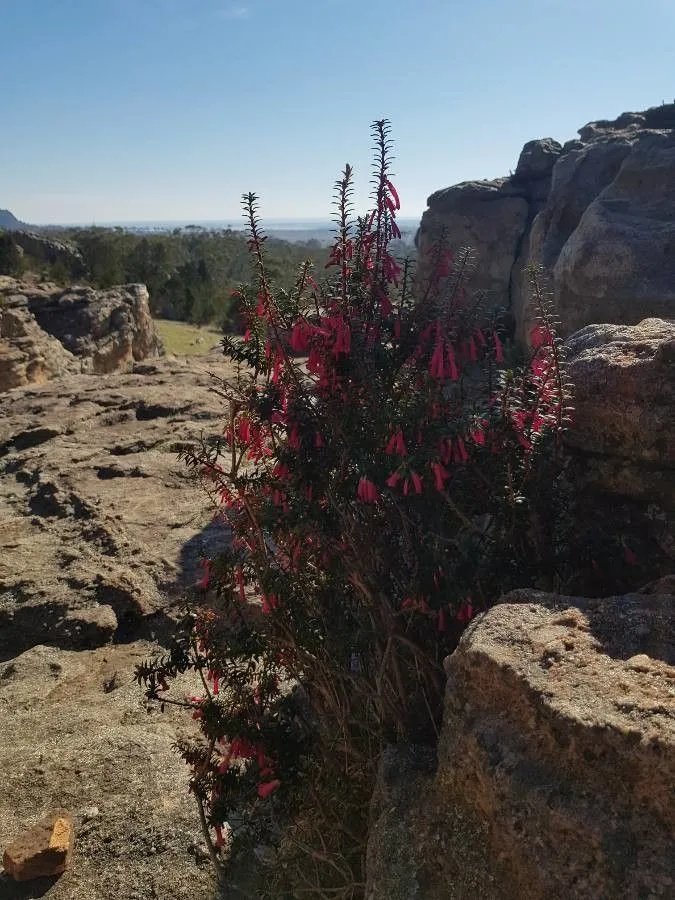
<point>170,109</point>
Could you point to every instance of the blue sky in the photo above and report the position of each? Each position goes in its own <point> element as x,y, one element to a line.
<point>170,109</point>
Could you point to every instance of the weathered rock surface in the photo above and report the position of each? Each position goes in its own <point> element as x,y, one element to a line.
<point>99,527</point>
<point>100,532</point>
<point>76,734</point>
<point>598,213</point>
<point>488,216</point>
<point>47,331</point>
<point>624,408</point>
<point>556,762</point>
<point>43,850</point>
<point>50,250</point>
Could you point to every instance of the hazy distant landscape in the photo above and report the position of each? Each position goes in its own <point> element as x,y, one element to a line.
<point>292,230</point>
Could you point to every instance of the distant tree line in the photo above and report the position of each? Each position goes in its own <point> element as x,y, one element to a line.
<point>190,273</point>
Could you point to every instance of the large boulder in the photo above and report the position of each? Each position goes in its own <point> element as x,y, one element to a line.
<point>556,761</point>
<point>47,331</point>
<point>28,355</point>
<point>598,215</point>
<point>490,217</point>
<point>624,408</point>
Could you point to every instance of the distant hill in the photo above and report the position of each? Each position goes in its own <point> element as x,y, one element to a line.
<point>9,221</point>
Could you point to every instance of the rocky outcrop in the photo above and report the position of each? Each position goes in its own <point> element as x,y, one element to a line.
<point>47,331</point>
<point>9,221</point>
<point>556,761</point>
<point>99,530</point>
<point>100,535</point>
<point>621,452</point>
<point>490,217</point>
<point>598,213</point>
<point>44,850</point>
<point>50,250</point>
<point>624,408</point>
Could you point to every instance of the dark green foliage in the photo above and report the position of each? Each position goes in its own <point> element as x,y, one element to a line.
<point>11,257</point>
<point>190,273</point>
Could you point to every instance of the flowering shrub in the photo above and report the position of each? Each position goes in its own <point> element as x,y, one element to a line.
<point>380,474</point>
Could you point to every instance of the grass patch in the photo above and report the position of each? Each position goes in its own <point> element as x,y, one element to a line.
<point>183,339</point>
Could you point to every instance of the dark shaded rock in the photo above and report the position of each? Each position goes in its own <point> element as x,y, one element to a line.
<point>50,251</point>
<point>488,216</point>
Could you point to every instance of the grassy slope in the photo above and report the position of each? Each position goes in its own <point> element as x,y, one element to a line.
<point>181,338</point>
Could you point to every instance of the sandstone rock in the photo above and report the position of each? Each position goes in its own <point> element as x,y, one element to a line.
<point>43,850</point>
<point>537,159</point>
<point>624,408</point>
<point>556,761</point>
<point>597,213</point>
<point>50,250</point>
<point>488,216</point>
<point>562,749</point>
<point>619,263</point>
<point>47,331</point>
<point>100,528</point>
<point>27,354</point>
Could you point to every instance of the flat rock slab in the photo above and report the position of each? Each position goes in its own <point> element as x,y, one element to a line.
<point>43,850</point>
<point>76,735</point>
<point>100,526</point>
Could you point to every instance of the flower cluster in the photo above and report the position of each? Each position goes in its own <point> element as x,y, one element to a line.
<point>375,477</point>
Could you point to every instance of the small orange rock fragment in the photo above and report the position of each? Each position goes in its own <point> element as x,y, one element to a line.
<point>42,850</point>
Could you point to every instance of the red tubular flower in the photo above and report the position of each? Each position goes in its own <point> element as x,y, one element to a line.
<point>203,582</point>
<point>393,480</point>
<point>499,353</point>
<point>220,840</point>
<point>452,365</point>
<point>366,491</point>
<point>417,482</point>
<point>437,368</point>
<point>460,451</point>
<point>244,430</point>
<point>267,788</point>
<point>629,556</point>
<point>299,336</point>
<point>269,603</point>
<point>294,438</point>
<point>396,444</point>
<point>394,193</point>
<point>440,475</point>
<point>540,336</point>
<point>214,676</point>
